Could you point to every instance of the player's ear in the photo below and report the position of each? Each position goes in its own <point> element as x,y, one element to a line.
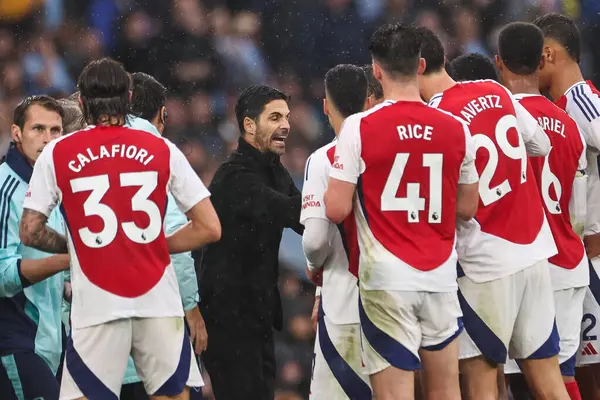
<point>422,66</point>
<point>325,107</point>
<point>15,132</point>
<point>499,64</point>
<point>377,71</point>
<point>548,53</point>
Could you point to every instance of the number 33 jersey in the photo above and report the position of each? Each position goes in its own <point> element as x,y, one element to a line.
<point>407,160</point>
<point>509,232</point>
<point>112,185</point>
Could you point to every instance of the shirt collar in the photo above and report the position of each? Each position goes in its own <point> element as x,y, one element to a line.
<point>141,124</point>
<point>18,163</point>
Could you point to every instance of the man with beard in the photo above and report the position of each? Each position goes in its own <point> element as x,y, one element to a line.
<point>255,199</point>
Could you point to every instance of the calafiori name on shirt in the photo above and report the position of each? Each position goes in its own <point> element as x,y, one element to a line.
<point>478,105</point>
<point>116,150</point>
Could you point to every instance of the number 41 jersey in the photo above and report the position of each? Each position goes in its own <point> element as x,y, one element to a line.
<point>112,183</point>
<point>407,160</point>
<point>509,232</point>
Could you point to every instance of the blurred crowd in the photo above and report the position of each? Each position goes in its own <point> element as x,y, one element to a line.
<point>205,51</point>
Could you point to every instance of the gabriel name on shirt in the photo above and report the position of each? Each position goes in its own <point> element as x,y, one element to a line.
<point>116,150</point>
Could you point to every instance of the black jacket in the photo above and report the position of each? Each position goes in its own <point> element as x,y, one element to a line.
<point>255,199</point>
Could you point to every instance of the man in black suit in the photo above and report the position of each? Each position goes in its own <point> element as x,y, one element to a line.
<point>255,199</point>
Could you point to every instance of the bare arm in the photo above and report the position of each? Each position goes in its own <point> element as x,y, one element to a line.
<point>203,228</point>
<point>338,200</point>
<point>467,200</point>
<point>35,233</point>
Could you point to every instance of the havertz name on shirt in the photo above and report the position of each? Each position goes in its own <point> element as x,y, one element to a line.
<point>478,105</point>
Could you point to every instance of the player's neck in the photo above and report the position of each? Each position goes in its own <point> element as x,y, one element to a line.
<point>569,74</point>
<point>437,82</point>
<point>526,84</point>
<point>401,90</point>
<point>336,125</point>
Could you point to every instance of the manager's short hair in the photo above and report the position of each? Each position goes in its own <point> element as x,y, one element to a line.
<point>20,114</point>
<point>252,102</point>
<point>73,119</point>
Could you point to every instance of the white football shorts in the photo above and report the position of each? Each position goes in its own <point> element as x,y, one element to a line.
<point>589,347</point>
<point>396,324</point>
<point>96,358</point>
<point>569,311</point>
<point>511,316</point>
<point>338,370</point>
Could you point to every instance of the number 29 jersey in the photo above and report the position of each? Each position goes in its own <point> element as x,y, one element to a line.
<point>509,232</point>
<point>407,160</point>
<point>112,185</point>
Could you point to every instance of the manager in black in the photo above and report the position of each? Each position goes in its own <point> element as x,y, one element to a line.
<point>255,199</point>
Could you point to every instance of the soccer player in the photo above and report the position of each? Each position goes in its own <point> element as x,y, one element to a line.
<point>31,281</point>
<point>148,98</point>
<point>333,251</point>
<point>504,283</point>
<point>374,89</point>
<point>112,184</point>
<point>562,78</point>
<point>473,66</point>
<point>561,180</point>
<point>412,170</point>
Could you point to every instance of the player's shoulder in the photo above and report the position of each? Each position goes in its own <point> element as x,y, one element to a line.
<point>356,119</point>
<point>585,98</point>
<point>12,188</point>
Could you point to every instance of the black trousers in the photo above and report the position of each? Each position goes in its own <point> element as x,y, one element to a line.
<point>240,367</point>
<point>27,376</point>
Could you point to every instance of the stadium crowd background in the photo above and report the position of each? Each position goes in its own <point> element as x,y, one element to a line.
<point>205,51</point>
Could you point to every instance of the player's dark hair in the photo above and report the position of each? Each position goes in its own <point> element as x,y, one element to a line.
<point>397,48</point>
<point>20,114</point>
<point>252,102</point>
<point>473,66</point>
<point>520,46</point>
<point>346,86</point>
<point>563,30</point>
<point>374,86</point>
<point>431,50</point>
<point>148,96</point>
<point>104,90</point>
<point>73,119</point>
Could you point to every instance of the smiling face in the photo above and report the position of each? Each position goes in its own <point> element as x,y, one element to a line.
<point>41,126</point>
<point>270,132</point>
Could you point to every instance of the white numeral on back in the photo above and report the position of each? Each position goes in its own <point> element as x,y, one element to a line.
<point>413,203</point>
<point>98,186</point>
<point>487,193</point>
<point>549,179</point>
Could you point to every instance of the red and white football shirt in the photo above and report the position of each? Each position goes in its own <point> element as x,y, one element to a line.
<point>509,232</point>
<point>582,102</point>
<point>112,183</point>
<point>407,161</point>
<point>340,284</point>
<point>555,175</point>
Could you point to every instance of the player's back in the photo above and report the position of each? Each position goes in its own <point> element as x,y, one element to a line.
<point>509,231</point>
<point>555,175</point>
<point>406,210</point>
<point>113,182</point>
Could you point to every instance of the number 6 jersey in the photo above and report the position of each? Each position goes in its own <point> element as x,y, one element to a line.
<point>112,183</point>
<point>407,160</point>
<point>509,232</point>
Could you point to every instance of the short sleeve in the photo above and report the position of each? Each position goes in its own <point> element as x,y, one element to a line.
<point>468,171</point>
<point>43,194</point>
<point>314,187</point>
<point>184,184</point>
<point>346,162</point>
